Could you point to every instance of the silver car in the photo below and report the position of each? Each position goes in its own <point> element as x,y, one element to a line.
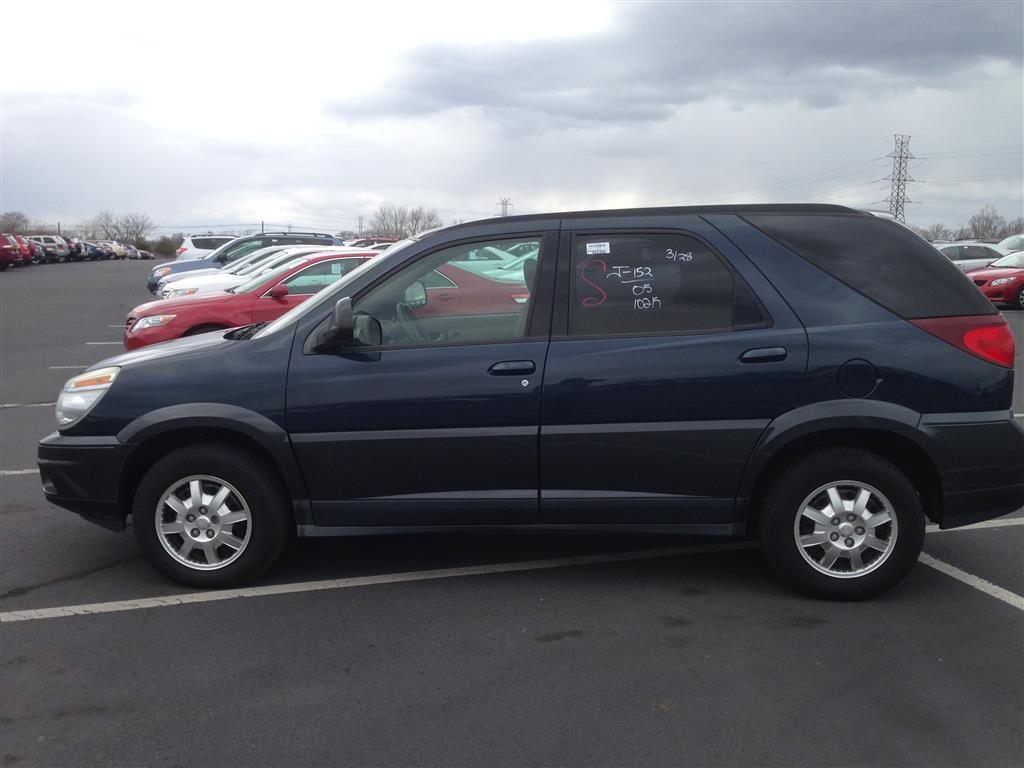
<point>971,255</point>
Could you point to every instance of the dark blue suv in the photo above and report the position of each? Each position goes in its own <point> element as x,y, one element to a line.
<point>811,375</point>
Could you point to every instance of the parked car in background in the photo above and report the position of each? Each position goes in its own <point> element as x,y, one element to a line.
<point>370,242</point>
<point>1012,244</point>
<point>94,251</point>
<point>812,375</point>
<point>76,252</point>
<point>236,249</point>
<point>145,254</point>
<point>131,252</point>
<point>971,255</point>
<point>168,283</point>
<point>265,297</point>
<point>10,253</point>
<point>198,246</point>
<point>1003,280</point>
<point>229,277</point>
<point>25,249</point>
<point>55,248</point>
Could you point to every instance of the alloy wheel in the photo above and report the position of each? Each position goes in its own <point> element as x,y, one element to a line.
<point>845,529</point>
<point>203,522</point>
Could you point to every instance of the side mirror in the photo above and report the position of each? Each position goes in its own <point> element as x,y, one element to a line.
<point>279,291</point>
<point>367,331</point>
<point>341,329</point>
<point>416,295</point>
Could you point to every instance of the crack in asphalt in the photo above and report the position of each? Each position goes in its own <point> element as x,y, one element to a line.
<point>19,591</point>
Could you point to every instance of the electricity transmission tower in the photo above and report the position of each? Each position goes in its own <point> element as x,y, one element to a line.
<point>506,205</point>
<point>359,221</point>
<point>898,192</point>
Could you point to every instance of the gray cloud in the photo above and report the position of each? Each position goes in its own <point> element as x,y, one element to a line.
<point>658,57</point>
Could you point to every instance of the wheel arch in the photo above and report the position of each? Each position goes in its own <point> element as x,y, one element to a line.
<point>889,432</point>
<point>164,430</point>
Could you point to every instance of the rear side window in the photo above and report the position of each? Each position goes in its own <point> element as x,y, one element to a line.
<point>880,259</point>
<point>655,283</point>
<point>210,243</point>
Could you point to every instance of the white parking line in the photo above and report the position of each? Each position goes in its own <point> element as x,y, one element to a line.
<point>1008,597</point>
<point>119,325</point>
<point>6,472</point>
<point>999,522</point>
<point>479,570</point>
<point>363,581</point>
<point>25,405</point>
<point>67,367</point>
<point>101,343</point>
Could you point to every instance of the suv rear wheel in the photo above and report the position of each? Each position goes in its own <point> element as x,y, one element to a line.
<point>842,524</point>
<point>210,515</point>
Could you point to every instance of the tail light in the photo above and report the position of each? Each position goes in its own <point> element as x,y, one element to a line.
<point>520,298</point>
<point>984,336</point>
<point>180,251</point>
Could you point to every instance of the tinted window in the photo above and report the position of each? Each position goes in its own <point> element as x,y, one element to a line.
<point>210,243</point>
<point>978,252</point>
<point>951,252</point>
<point>240,250</point>
<point>654,283</point>
<point>880,259</point>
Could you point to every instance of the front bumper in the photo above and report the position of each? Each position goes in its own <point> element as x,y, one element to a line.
<point>980,460</point>
<point>83,474</point>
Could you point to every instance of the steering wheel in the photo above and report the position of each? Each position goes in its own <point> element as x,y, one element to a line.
<point>410,323</point>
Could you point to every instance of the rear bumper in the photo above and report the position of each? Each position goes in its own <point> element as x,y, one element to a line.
<point>83,474</point>
<point>980,460</point>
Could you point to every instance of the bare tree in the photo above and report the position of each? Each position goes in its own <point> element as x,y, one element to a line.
<point>1014,227</point>
<point>986,223</point>
<point>398,221</point>
<point>14,223</point>
<point>937,231</point>
<point>133,227</point>
<point>104,224</point>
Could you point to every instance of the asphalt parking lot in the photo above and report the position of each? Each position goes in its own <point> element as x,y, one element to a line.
<point>469,649</point>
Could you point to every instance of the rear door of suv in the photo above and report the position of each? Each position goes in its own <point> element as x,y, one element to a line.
<point>670,355</point>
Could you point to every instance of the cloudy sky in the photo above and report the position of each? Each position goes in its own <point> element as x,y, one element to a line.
<point>222,115</point>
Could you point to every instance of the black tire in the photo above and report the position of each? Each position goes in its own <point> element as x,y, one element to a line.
<point>36,260</point>
<point>1019,303</point>
<point>254,480</point>
<point>61,259</point>
<point>209,328</point>
<point>3,266</point>
<point>784,502</point>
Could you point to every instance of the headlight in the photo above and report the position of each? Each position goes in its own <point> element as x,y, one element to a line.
<point>153,321</point>
<point>182,292</point>
<point>1003,281</point>
<point>161,271</point>
<point>81,393</point>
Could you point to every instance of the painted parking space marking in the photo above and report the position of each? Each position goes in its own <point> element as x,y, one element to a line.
<point>100,343</point>
<point>478,570</point>
<point>365,581</point>
<point>25,405</point>
<point>6,472</point>
<point>67,367</point>
<point>997,523</point>
<point>1008,597</point>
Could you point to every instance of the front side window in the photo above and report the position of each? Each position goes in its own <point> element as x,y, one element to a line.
<point>450,297</point>
<point>1013,261</point>
<point>654,283</point>
<point>240,250</point>
<point>317,277</point>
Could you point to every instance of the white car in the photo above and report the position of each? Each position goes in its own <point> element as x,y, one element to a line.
<point>970,255</point>
<point>197,246</point>
<point>231,268</point>
<point>222,280</point>
<point>1012,244</point>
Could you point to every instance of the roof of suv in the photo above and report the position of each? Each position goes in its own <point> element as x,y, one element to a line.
<point>805,208</point>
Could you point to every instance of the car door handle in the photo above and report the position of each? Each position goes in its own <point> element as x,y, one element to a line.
<point>764,355</point>
<point>512,368</point>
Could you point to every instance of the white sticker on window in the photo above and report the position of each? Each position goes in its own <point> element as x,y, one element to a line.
<point>335,269</point>
<point>598,248</point>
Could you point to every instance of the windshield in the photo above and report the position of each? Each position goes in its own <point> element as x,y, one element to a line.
<point>261,279</point>
<point>1013,243</point>
<point>253,258</point>
<point>1013,261</point>
<point>331,293</point>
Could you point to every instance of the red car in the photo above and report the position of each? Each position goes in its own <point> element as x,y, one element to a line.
<point>1002,281</point>
<point>452,289</point>
<point>27,250</point>
<point>265,297</point>
<point>10,254</point>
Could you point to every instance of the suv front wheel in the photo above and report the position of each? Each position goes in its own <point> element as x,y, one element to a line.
<point>842,524</point>
<point>210,515</point>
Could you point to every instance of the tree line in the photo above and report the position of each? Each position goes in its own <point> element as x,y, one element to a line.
<point>986,224</point>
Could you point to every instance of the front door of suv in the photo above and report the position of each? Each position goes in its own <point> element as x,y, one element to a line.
<point>439,424</point>
<point>667,362</point>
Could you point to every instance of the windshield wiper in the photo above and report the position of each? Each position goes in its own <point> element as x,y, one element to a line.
<point>245,332</point>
